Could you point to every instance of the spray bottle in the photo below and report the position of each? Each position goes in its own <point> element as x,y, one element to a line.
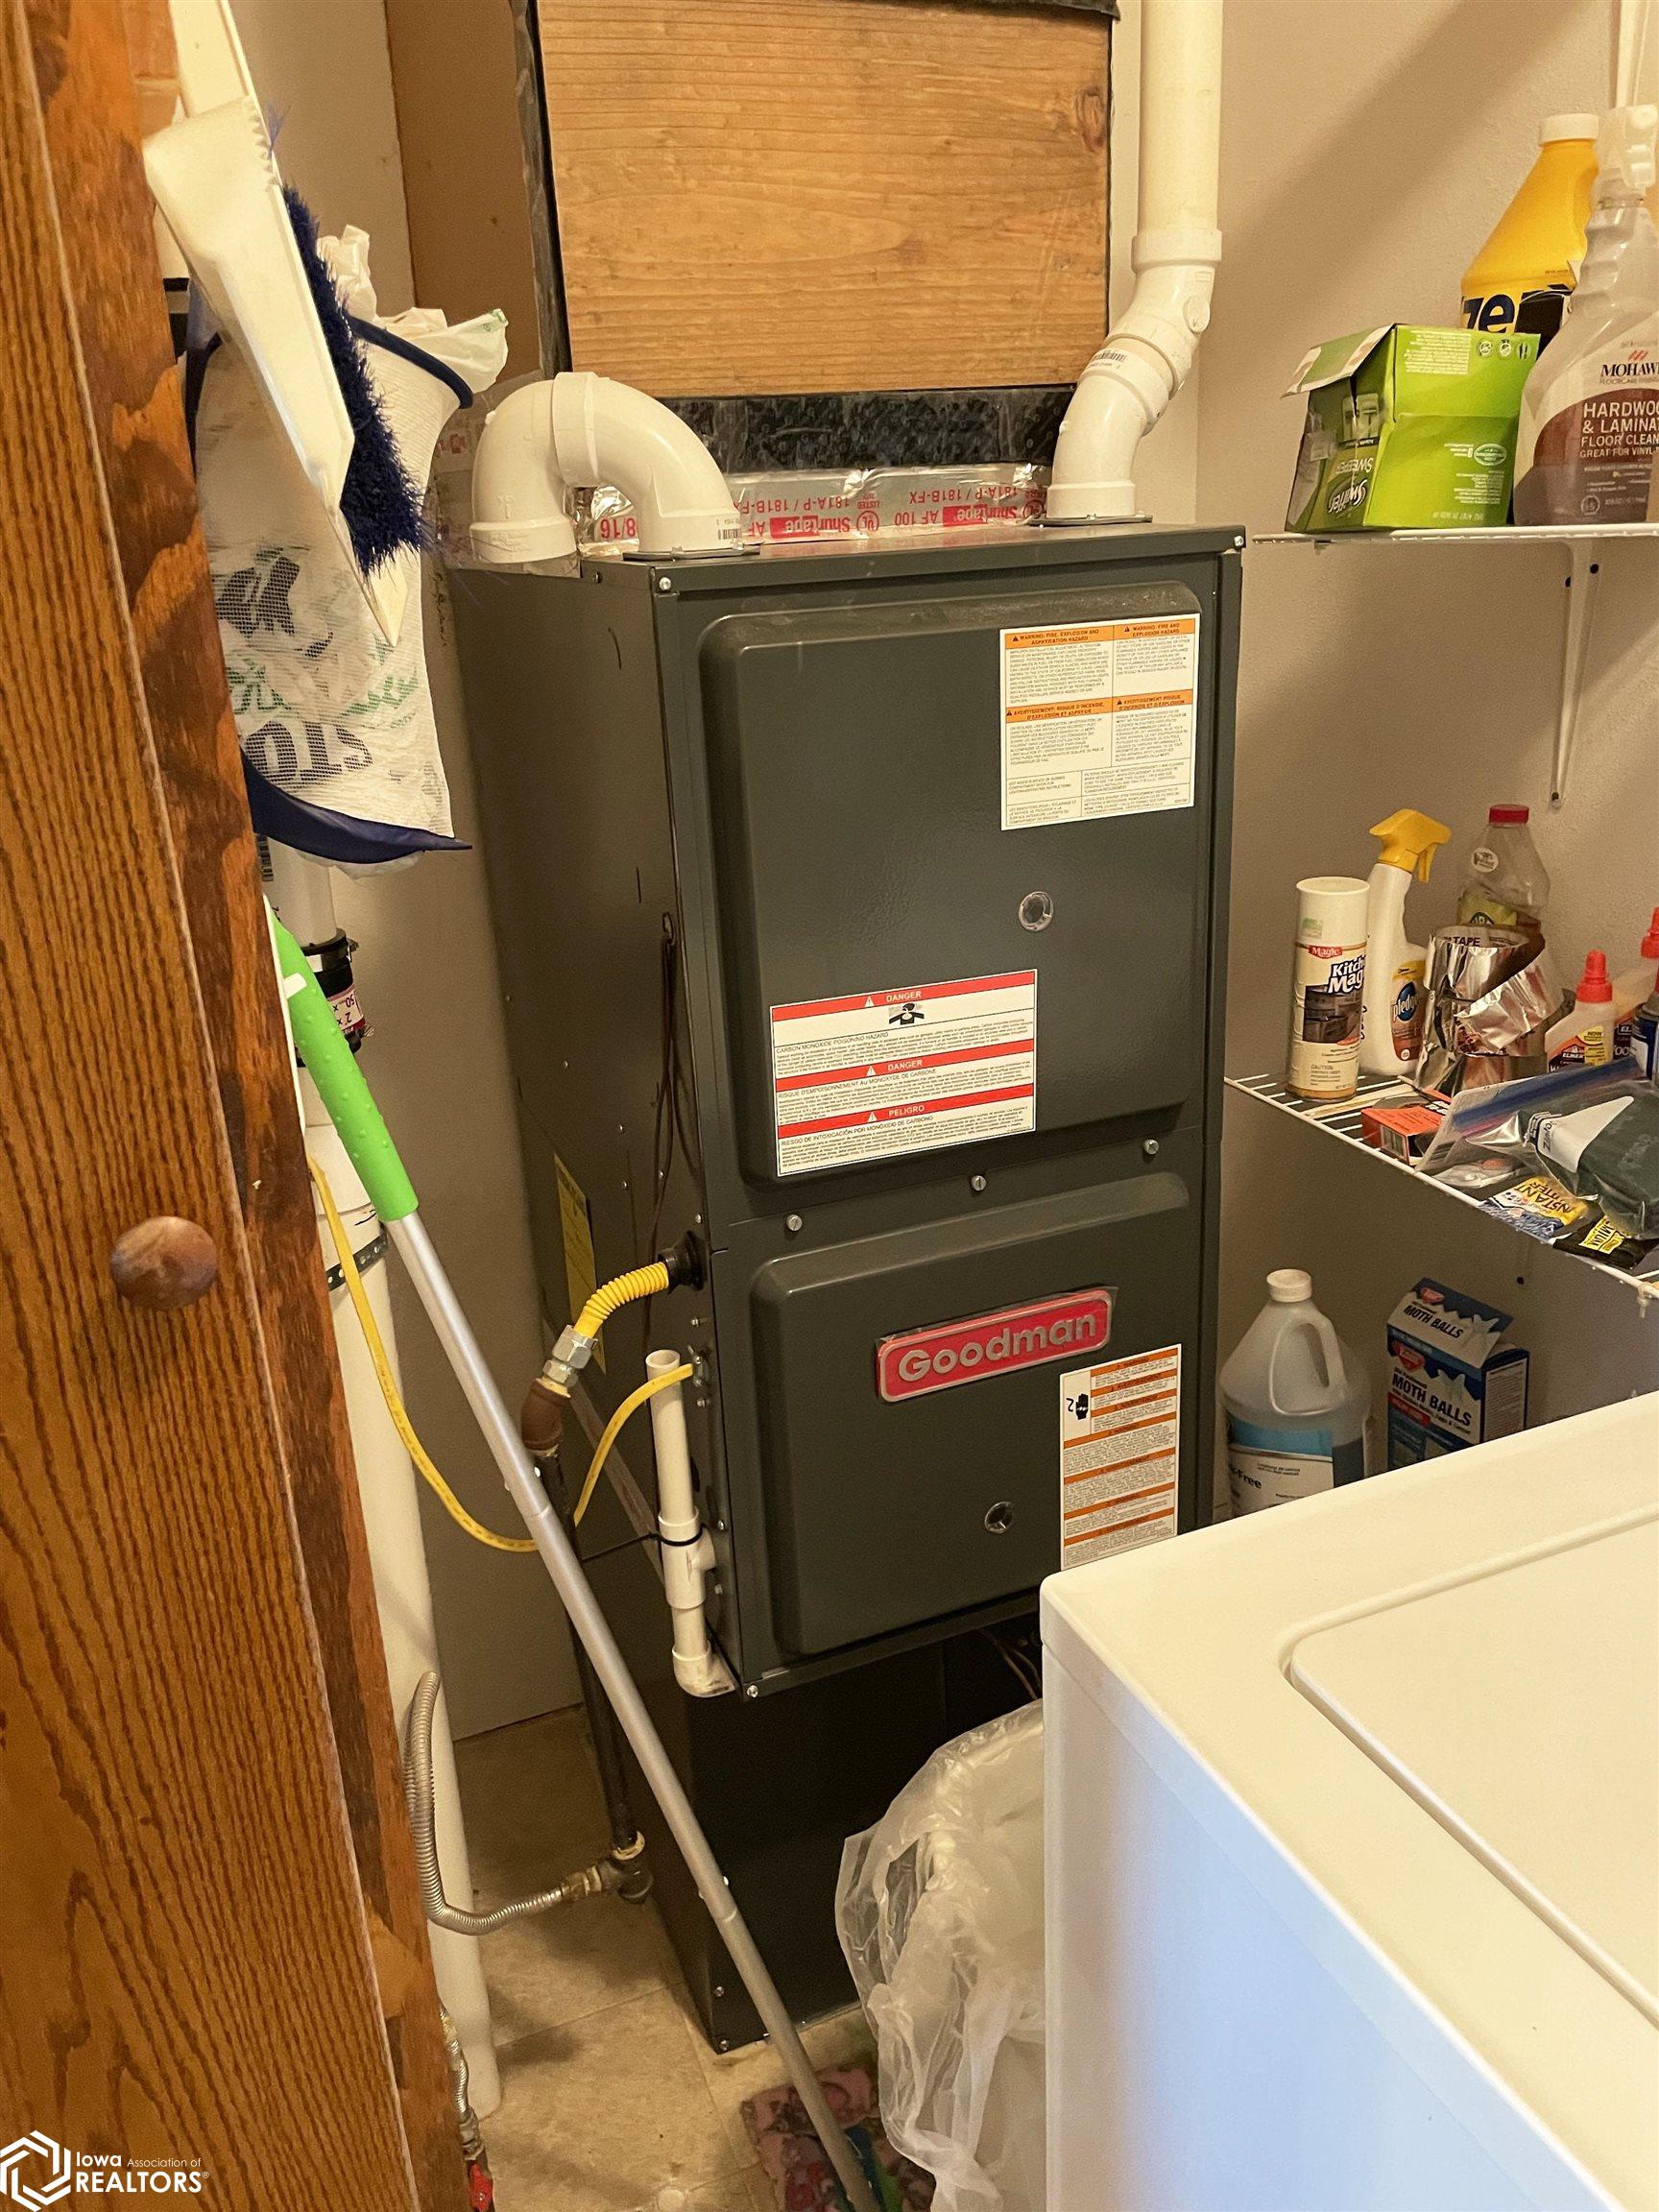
<point>1392,1033</point>
<point>1590,412</point>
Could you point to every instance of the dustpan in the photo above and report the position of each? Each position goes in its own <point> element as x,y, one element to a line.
<point>214,176</point>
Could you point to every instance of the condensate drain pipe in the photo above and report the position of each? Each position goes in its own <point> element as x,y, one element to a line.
<point>1150,349</point>
<point>688,1548</point>
<point>577,431</point>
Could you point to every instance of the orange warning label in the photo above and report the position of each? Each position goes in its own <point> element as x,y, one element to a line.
<point>1119,1454</point>
<point>1098,719</point>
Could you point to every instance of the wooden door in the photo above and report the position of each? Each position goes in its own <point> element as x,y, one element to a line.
<point>185,1960</point>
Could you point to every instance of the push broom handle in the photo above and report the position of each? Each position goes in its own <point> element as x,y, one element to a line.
<point>329,1062</point>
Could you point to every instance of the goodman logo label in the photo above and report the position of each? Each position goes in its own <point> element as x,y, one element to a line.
<point>1014,1337</point>
<point>35,2172</point>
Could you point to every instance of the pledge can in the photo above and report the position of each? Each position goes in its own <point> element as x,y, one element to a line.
<point>1328,982</point>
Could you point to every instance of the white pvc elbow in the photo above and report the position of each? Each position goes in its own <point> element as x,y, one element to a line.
<point>578,429</point>
<point>1149,352</point>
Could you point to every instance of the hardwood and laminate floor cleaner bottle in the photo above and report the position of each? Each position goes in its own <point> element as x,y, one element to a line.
<point>1590,412</point>
<point>1296,1401</point>
<point>1521,277</point>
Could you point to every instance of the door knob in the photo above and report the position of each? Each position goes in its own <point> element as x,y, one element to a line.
<point>163,1263</point>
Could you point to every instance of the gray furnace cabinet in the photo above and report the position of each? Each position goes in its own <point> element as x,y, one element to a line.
<point>862,914</point>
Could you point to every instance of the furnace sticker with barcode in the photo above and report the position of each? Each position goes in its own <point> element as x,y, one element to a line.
<point>1098,718</point>
<point>1120,1455</point>
<point>881,1073</point>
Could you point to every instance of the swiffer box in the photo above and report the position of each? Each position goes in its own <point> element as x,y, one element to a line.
<point>1451,1381</point>
<point>1410,429</point>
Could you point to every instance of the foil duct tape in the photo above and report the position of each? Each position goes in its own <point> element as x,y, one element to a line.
<point>1488,1009</point>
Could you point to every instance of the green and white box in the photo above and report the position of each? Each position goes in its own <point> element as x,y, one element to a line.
<point>1409,428</point>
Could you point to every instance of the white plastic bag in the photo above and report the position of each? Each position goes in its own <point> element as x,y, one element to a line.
<point>331,714</point>
<point>940,1912</point>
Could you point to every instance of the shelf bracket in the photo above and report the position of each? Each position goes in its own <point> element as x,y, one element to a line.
<point>1583,574</point>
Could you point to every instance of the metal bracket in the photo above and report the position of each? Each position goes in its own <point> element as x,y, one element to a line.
<point>1583,574</point>
<point>366,1257</point>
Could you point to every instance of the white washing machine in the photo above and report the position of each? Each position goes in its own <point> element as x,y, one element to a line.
<point>1353,1845</point>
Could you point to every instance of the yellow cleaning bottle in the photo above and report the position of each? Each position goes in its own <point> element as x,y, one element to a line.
<point>1521,277</point>
<point>1391,1011</point>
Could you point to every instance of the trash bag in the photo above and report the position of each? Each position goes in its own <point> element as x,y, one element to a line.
<point>940,1912</point>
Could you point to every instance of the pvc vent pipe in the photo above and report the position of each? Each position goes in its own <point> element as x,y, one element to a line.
<point>1149,352</point>
<point>687,1548</point>
<point>578,430</point>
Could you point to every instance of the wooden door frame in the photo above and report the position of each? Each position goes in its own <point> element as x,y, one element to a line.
<point>123,393</point>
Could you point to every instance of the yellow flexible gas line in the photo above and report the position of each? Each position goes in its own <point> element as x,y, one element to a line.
<point>613,1426</point>
<point>621,1290</point>
<point>383,1375</point>
<point>641,1282</point>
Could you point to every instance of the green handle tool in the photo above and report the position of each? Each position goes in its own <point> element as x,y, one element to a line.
<point>333,1066</point>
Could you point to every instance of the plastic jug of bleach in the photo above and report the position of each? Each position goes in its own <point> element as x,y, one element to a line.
<point>1296,1401</point>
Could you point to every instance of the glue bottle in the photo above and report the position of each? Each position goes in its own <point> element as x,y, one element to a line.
<point>1391,1036</point>
<point>1592,1010</point>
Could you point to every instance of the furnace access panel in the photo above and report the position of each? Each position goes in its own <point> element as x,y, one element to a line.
<point>862,912</point>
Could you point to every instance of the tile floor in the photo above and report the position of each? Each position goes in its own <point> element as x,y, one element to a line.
<point>611,2096</point>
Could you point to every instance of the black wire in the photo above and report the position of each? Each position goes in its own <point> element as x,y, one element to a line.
<point>592,1558</point>
<point>1015,1661</point>
<point>650,1536</point>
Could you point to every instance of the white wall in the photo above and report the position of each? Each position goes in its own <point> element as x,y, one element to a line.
<point>1370,145</point>
<point>426,963</point>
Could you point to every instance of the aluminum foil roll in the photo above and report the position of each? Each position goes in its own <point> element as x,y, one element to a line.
<point>1481,1022</point>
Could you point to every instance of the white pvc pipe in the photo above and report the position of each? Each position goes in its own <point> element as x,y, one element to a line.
<point>688,1548</point>
<point>386,1481</point>
<point>301,890</point>
<point>303,893</point>
<point>584,430</point>
<point>1151,348</point>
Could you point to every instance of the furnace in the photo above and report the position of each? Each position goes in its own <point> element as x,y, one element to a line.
<point>861,915</point>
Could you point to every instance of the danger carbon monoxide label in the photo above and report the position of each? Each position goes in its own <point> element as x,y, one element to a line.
<point>876,1075</point>
<point>1119,1454</point>
<point>1098,718</point>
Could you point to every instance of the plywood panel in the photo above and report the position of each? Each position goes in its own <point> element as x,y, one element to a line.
<point>828,195</point>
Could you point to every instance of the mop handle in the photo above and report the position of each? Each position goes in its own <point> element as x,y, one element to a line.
<point>333,1066</point>
<point>329,1062</point>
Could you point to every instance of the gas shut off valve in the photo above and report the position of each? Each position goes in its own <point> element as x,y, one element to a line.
<point>542,1418</point>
